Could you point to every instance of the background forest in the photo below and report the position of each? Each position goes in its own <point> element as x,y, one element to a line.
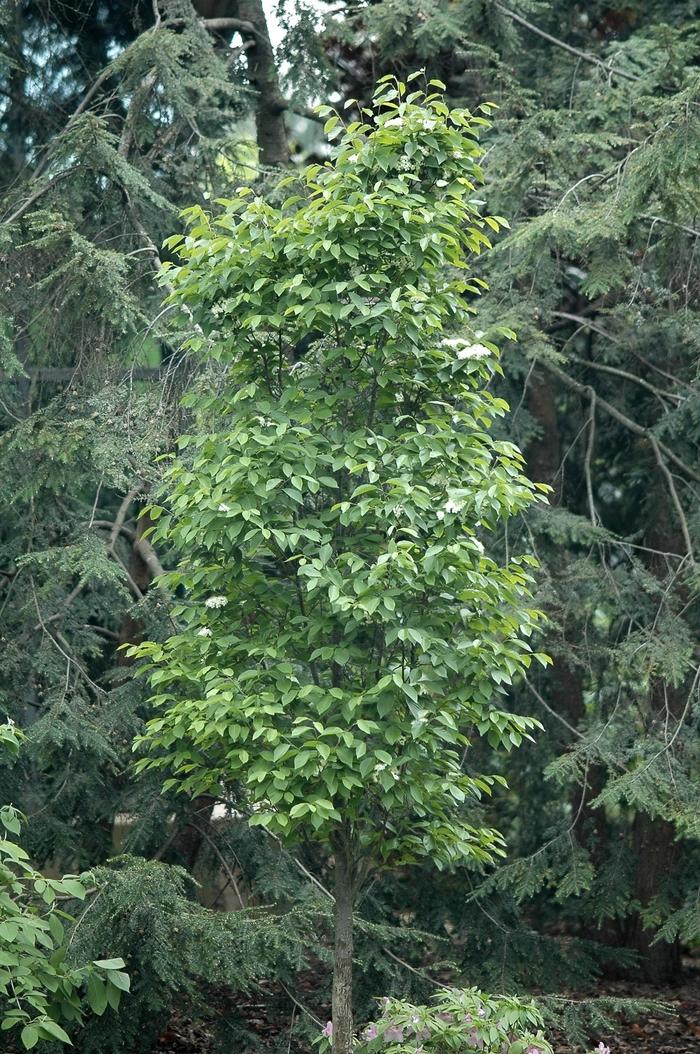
<point>114,117</point>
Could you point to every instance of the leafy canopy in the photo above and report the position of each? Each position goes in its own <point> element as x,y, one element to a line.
<point>342,633</point>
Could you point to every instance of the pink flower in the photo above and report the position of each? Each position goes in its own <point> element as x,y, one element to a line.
<point>328,1030</point>
<point>602,1049</point>
<point>371,1032</point>
<point>533,1050</point>
<point>448,1018</point>
<point>393,1034</point>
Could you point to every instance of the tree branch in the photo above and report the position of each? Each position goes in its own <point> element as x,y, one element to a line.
<point>585,55</point>
<point>628,422</point>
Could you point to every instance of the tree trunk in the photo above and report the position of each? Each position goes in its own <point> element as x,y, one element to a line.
<point>544,452</point>
<point>270,104</point>
<point>656,852</point>
<point>342,960</point>
<point>16,118</point>
<point>654,843</point>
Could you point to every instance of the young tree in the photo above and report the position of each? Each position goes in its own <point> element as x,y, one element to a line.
<point>342,635</point>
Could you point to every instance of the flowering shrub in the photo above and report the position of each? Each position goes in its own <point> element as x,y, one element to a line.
<point>457,1020</point>
<point>342,635</point>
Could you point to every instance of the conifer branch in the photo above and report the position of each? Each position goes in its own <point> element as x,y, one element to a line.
<point>628,422</point>
<point>585,55</point>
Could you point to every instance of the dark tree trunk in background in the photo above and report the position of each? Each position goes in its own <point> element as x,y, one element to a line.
<point>342,959</point>
<point>656,854</point>
<point>140,573</point>
<point>544,452</point>
<point>564,684</point>
<point>16,120</point>
<point>270,104</point>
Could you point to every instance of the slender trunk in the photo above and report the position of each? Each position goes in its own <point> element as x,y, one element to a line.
<point>342,960</point>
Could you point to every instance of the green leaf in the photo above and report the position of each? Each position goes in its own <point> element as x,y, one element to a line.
<point>109,964</point>
<point>119,980</point>
<point>55,1031</point>
<point>29,1036</point>
<point>96,994</point>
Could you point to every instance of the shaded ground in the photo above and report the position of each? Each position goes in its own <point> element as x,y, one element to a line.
<point>676,1033</point>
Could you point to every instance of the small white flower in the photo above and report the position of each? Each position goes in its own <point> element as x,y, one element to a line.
<point>453,506</point>
<point>204,632</point>
<point>440,514</point>
<point>474,351</point>
<point>223,507</point>
<point>216,602</point>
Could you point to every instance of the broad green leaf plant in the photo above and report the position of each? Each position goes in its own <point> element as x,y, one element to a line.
<point>343,635</point>
<point>40,990</point>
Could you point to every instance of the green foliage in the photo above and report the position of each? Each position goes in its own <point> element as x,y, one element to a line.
<point>458,1019</point>
<point>343,497</point>
<point>39,987</point>
<point>599,279</point>
<point>179,953</point>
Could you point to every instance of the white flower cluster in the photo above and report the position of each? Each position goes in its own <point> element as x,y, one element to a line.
<point>474,351</point>
<point>450,506</point>
<point>204,632</point>
<point>216,602</point>
<point>464,349</point>
<point>223,507</point>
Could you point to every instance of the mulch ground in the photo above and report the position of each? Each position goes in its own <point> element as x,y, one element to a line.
<point>675,1033</point>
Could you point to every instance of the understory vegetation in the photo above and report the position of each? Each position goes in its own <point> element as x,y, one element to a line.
<point>349,434</point>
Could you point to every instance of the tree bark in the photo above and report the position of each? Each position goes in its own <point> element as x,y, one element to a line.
<point>656,851</point>
<point>342,960</point>
<point>270,104</point>
<point>656,855</point>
